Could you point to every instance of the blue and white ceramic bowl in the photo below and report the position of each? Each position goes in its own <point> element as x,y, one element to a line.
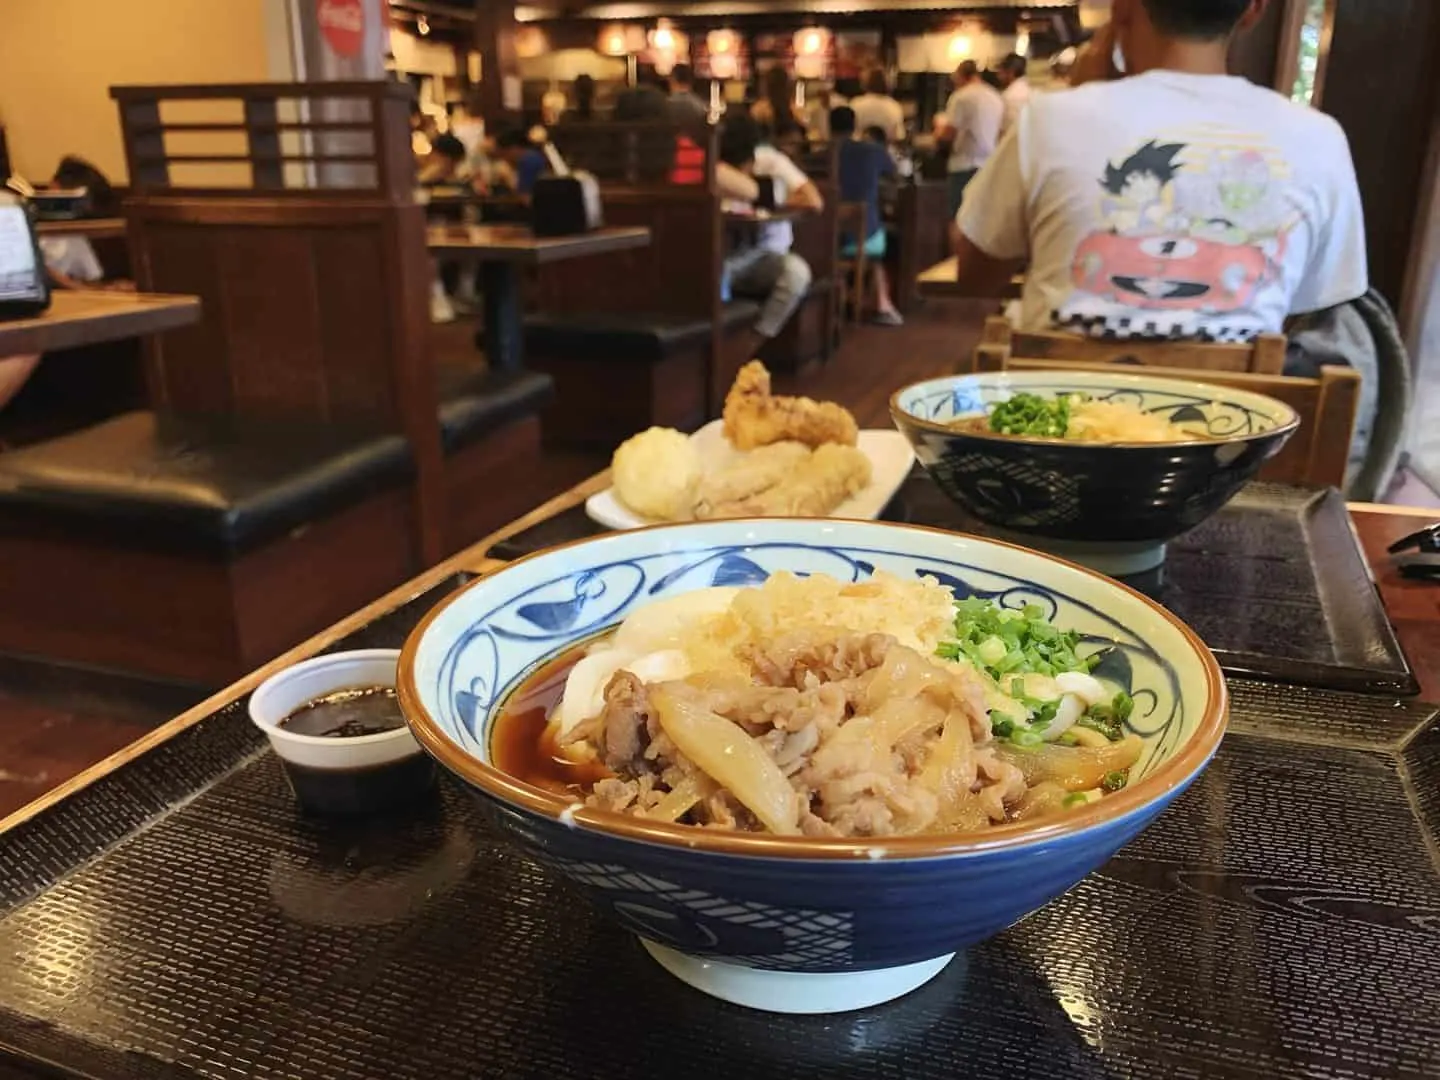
<point>1110,505</point>
<point>800,925</point>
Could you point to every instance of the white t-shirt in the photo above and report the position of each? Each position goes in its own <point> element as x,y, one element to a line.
<point>975,111</point>
<point>1169,204</point>
<point>882,111</point>
<point>1015,97</point>
<point>789,178</point>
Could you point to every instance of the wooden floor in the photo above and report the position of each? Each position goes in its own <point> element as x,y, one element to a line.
<point>55,722</point>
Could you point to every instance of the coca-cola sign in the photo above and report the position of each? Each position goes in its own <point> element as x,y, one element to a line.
<point>343,24</point>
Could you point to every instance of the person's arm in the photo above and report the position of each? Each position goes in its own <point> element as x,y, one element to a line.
<point>801,192</point>
<point>991,232</point>
<point>806,197</point>
<point>1096,61</point>
<point>734,184</point>
<point>945,123</point>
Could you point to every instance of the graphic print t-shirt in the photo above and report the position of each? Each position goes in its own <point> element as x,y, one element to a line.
<point>1172,205</point>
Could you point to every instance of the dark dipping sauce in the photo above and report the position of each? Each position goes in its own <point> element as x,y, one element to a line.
<point>521,744</point>
<point>351,714</point>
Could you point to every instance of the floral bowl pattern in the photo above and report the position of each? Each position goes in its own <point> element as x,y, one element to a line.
<point>784,923</point>
<point>1092,492</point>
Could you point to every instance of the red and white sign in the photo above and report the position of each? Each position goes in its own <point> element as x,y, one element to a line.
<point>343,24</point>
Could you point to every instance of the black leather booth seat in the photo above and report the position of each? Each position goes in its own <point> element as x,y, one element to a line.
<point>203,486</point>
<point>477,405</point>
<point>622,336</point>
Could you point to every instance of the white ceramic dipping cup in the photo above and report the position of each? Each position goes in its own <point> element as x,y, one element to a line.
<point>341,775</point>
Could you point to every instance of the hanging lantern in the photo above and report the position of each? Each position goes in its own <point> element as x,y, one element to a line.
<point>530,42</point>
<point>724,49</point>
<point>959,48</point>
<point>634,39</point>
<point>612,40</point>
<point>662,38</point>
<point>811,41</point>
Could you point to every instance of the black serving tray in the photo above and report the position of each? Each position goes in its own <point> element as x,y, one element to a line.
<point>1275,583</point>
<point>179,918</point>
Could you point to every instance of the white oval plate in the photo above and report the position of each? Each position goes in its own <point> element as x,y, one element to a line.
<point>890,461</point>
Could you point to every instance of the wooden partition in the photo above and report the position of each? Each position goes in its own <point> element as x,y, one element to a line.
<point>305,244</point>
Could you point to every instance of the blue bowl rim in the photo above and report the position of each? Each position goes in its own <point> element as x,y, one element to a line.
<point>1173,774</point>
<point>902,416</point>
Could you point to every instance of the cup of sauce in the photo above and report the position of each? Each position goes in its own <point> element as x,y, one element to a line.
<point>337,728</point>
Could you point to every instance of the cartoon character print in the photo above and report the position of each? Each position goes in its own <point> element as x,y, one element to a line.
<point>1190,239</point>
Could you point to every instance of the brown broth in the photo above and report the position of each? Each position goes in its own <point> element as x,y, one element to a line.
<point>522,744</point>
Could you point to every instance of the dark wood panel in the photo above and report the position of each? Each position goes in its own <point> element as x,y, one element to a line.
<point>272,320</point>
<point>481,485</point>
<point>354,350</point>
<point>1381,85</point>
<point>189,368</point>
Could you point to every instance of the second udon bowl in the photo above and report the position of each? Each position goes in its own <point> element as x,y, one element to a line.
<point>782,923</point>
<point>1109,505</point>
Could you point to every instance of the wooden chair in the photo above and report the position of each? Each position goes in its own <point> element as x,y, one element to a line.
<point>1316,454</point>
<point>1266,356</point>
<point>854,269</point>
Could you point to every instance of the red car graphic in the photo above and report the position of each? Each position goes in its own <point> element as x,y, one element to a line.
<point>1169,273</point>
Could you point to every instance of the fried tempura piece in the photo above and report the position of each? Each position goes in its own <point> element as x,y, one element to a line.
<point>747,476</point>
<point>813,488</point>
<point>755,417</point>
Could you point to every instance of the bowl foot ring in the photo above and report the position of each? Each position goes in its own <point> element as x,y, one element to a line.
<point>793,991</point>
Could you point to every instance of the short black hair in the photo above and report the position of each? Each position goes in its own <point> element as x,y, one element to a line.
<point>513,138</point>
<point>968,69</point>
<point>842,120</point>
<point>449,146</point>
<point>1204,19</point>
<point>739,137</point>
<point>682,75</point>
<point>1015,64</point>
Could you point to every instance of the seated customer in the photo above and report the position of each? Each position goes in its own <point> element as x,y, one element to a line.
<point>522,156</point>
<point>763,266</point>
<point>445,164</point>
<point>1177,201</point>
<point>862,163</point>
<point>15,371</point>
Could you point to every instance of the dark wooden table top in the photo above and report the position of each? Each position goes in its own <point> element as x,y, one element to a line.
<point>86,317</point>
<point>90,228</point>
<point>518,244</point>
<point>1413,606</point>
<point>763,217</point>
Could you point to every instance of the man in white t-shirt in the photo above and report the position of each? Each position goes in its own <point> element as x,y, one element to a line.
<point>877,109</point>
<point>763,266</point>
<point>1175,202</point>
<point>1014,89</point>
<point>971,125</point>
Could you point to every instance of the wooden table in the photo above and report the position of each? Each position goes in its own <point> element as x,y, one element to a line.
<point>88,317</point>
<point>1414,609</point>
<point>501,250</point>
<point>90,228</point>
<point>940,280</point>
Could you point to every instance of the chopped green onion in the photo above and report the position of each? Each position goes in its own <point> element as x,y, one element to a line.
<point>1006,642</point>
<point>1115,780</point>
<point>1030,414</point>
<point>1109,718</point>
<point>1025,737</point>
<point>1075,798</point>
<point>1068,738</point>
<point>1001,729</point>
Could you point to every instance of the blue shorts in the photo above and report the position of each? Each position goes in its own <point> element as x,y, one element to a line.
<point>874,247</point>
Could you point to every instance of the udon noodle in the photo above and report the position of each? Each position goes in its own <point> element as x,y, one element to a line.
<point>811,707</point>
<point>1077,418</point>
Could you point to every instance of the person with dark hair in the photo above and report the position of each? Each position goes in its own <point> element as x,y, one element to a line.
<point>1014,88</point>
<point>583,111</point>
<point>862,164</point>
<point>876,108</point>
<point>644,102</point>
<point>970,126</point>
<point>445,164</point>
<point>517,151</point>
<point>775,111</point>
<point>764,267</point>
<point>684,106</point>
<point>1163,197</point>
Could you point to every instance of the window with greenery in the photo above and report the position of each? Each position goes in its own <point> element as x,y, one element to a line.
<point>1310,33</point>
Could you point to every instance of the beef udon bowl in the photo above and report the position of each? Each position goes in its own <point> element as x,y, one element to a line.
<point>1100,466</point>
<point>805,762</point>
